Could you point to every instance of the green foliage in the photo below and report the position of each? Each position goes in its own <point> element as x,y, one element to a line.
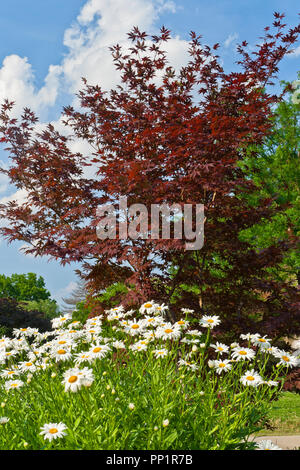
<point>81,312</point>
<point>275,170</point>
<point>13,315</point>
<point>48,306</point>
<point>23,287</point>
<point>109,298</point>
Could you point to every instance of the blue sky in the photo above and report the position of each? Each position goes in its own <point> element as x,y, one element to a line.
<point>47,46</point>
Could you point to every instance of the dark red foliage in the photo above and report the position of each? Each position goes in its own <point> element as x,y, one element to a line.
<point>159,137</point>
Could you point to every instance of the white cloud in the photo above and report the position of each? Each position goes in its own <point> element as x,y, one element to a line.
<point>17,84</point>
<point>4,180</point>
<point>296,53</point>
<point>99,25</point>
<point>231,38</point>
<point>65,291</point>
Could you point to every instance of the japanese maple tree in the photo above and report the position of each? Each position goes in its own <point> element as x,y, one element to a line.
<point>161,136</point>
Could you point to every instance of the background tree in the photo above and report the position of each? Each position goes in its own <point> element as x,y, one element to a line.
<point>13,315</point>
<point>78,294</point>
<point>48,307</point>
<point>274,167</point>
<point>152,141</point>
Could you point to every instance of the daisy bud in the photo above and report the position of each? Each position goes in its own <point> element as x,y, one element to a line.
<point>102,396</point>
<point>2,404</point>
<point>104,373</point>
<point>202,345</point>
<point>107,387</point>
<point>155,428</point>
<point>194,348</point>
<point>53,375</point>
<point>25,444</point>
<point>131,406</point>
<point>113,391</point>
<point>165,423</point>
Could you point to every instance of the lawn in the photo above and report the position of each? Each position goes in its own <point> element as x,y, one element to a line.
<point>285,415</point>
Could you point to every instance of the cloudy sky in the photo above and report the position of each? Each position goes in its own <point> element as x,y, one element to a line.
<point>46,48</point>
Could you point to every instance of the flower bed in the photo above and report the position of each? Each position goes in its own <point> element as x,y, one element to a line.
<point>132,380</point>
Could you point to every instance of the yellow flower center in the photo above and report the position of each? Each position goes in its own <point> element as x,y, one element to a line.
<point>61,351</point>
<point>221,364</point>
<point>262,340</point>
<point>243,353</point>
<point>53,431</point>
<point>209,320</point>
<point>72,379</point>
<point>285,358</point>
<point>181,322</point>
<point>250,377</point>
<point>135,326</point>
<point>28,364</point>
<point>96,350</point>
<point>168,330</point>
<point>148,305</point>
<point>62,342</point>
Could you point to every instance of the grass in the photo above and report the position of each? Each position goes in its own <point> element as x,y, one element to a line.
<point>284,415</point>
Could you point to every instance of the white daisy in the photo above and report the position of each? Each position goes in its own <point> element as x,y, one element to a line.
<point>52,431</point>
<point>221,366</point>
<point>27,366</point>
<point>220,348</point>
<point>182,323</point>
<point>168,331</point>
<point>61,354</point>
<point>118,344</point>
<point>160,353</point>
<point>251,378</point>
<point>83,357</point>
<point>4,420</point>
<point>13,384</point>
<point>239,353</point>
<point>267,445</point>
<point>134,327</point>
<point>75,378</point>
<point>210,321</point>
<point>189,365</point>
<point>97,351</point>
<point>262,342</point>
<point>286,359</point>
